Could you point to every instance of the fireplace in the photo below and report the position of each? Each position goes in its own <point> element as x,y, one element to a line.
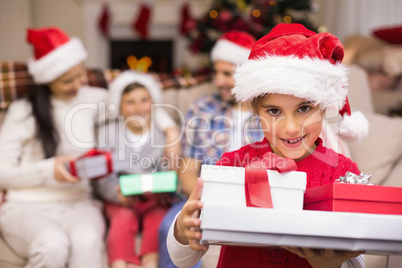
<point>159,51</point>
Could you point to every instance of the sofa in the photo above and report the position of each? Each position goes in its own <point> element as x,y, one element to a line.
<point>382,61</point>
<point>380,154</point>
<point>178,92</point>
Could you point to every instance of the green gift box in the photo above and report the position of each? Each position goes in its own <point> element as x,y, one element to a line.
<point>158,182</point>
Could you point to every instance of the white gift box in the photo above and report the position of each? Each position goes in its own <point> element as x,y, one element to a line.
<point>95,166</point>
<point>378,234</point>
<point>226,220</point>
<point>225,186</point>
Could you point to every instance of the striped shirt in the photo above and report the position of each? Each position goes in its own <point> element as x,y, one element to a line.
<point>210,127</point>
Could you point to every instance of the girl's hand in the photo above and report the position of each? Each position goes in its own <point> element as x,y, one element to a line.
<point>324,258</point>
<point>61,174</point>
<point>187,227</point>
<point>125,201</point>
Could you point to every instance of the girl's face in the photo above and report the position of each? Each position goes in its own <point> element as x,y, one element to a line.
<point>136,104</point>
<point>66,86</point>
<point>290,124</point>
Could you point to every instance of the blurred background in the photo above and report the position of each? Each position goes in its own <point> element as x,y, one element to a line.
<point>175,36</point>
<point>177,33</point>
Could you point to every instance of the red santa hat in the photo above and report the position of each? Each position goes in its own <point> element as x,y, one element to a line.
<point>295,61</point>
<point>54,53</point>
<point>233,47</point>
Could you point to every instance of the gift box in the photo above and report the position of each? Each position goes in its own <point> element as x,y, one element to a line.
<point>227,219</point>
<point>360,198</point>
<point>249,226</point>
<point>94,164</point>
<point>158,182</point>
<point>225,186</point>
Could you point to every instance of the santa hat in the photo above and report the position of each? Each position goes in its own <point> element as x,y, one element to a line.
<point>233,47</point>
<point>54,54</point>
<point>295,61</point>
<point>128,77</point>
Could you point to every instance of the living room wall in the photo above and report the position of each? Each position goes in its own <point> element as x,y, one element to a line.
<point>79,18</point>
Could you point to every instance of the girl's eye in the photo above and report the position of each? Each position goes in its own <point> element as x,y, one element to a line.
<point>273,111</point>
<point>304,109</point>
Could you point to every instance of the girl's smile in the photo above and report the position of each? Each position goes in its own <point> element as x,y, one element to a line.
<point>293,142</point>
<point>290,124</point>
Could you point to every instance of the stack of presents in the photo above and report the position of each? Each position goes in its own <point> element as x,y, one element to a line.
<point>256,206</point>
<point>268,205</point>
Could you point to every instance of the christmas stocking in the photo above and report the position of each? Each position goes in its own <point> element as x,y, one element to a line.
<point>142,22</point>
<point>187,23</point>
<point>104,20</point>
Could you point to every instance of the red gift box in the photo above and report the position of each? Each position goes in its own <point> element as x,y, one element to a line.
<point>358,198</point>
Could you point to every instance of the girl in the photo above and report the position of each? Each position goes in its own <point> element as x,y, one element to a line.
<point>139,145</point>
<point>291,77</point>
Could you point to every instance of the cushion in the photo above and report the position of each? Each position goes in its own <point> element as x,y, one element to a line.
<point>359,90</point>
<point>392,35</point>
<point>394,178</point>
<point>382,149</point>
<point>374,55</point>
<point>16,82</point>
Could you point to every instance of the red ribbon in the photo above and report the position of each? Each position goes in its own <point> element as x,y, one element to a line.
<point>93,152</point>
<point>256,184</point>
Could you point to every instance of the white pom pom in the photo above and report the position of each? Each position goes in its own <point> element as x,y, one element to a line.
<point>354,127</point>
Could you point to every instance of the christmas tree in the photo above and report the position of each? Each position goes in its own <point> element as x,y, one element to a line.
<point>256,17</point>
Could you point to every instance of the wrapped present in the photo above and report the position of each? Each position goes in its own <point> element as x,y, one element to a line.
<point>94,164</point>
<point>255,185</point>
<point>228,217</point>
<point>249,226</point>
<point>354,193</point>
<point>158,182</point>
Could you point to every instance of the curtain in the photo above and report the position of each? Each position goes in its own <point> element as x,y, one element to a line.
<point>346,17</point>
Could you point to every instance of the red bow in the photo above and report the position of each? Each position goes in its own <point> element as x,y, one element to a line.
<point>258,191</point>
<point>93,152</point>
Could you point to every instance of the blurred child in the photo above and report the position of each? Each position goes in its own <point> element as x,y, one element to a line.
<point>139,145</point>
<point>292,76</point>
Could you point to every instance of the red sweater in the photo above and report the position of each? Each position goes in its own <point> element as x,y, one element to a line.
<point>322,166</point>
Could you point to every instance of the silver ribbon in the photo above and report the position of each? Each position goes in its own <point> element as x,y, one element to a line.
<point>355,179</point>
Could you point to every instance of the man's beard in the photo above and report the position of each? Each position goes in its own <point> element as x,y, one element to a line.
<point>229,98</point>
<point>232,102</point>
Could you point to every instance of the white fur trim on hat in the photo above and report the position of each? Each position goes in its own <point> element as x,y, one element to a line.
<point>128,77</point>
<point>354,127</point>
<point>225,50</point>
<point>315,80</point>
<point>57,62</point>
